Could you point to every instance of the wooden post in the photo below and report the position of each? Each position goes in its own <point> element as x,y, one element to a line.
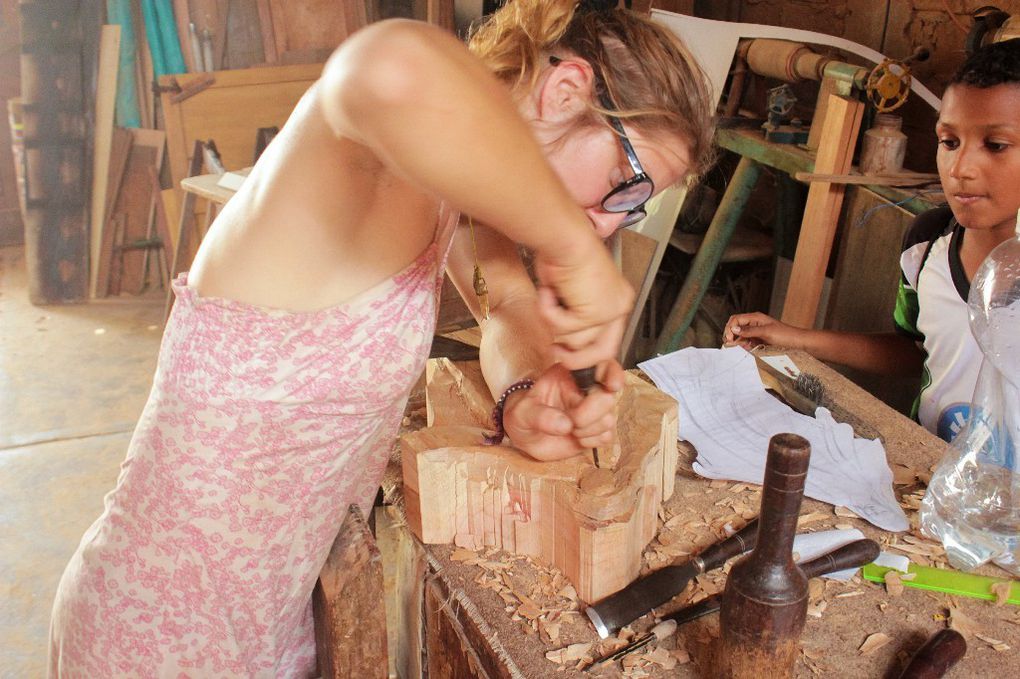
<point>56,240</point>
<point>350,617</point>
<point>821,213</point>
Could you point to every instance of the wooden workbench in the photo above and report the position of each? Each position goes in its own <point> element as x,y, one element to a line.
<point>493,615</point>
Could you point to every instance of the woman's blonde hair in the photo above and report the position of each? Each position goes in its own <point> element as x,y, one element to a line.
<point>646,71</point>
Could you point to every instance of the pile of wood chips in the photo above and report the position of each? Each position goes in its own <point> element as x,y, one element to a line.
<point>544,603</point>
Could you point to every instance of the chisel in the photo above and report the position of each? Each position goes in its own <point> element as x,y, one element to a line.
<point>584,378</point>
<point>852,555</point>
<point>658,587</point>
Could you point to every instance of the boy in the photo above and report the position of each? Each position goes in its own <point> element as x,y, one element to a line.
<point>979,165</point>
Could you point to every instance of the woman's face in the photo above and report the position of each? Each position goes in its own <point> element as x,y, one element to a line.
<point>591,162</point>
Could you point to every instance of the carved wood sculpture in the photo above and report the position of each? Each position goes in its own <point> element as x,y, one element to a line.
<point>592,523</point>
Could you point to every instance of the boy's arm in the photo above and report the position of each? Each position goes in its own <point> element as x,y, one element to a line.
<point>886,353</point>
<point>552,420</point>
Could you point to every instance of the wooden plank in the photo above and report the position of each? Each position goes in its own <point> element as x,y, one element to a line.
<point>449,650</point>
<point>172,209</point>
<point>315,24</point>
<point>244,46</point>
<point>440,13</point>
<point>898,179</point>
<point>821,212</point>
<point>133,201</point>
<point>186,228</point>
<point>591,523</point>
<point>160,227</point>
<point>182,16</point>
<point>120,150</point>
<point>404,568</point>
<point>266,28</point>
<point>106,99</point>
<point>347,603</point>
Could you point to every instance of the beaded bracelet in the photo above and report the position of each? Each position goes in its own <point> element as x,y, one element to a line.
<point>497,412</point>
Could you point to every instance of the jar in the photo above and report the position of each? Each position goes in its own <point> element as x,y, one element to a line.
<point>884,146</point>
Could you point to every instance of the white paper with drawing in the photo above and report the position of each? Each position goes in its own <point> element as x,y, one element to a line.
<point>727,415</point>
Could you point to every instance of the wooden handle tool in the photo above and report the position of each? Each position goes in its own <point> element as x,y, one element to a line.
<point>658,587</point>
<point>852,555</point>
<point>943,650</point>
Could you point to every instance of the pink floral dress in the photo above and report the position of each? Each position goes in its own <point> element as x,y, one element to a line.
<point>261,428</point>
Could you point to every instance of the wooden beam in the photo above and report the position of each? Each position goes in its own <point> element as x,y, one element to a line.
<point>592,523</point>
<point>347,604</point>
<point>821,213</point>
<point>106,99</point>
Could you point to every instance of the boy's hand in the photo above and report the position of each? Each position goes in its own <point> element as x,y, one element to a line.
<point>553,420</point>
<point>755,329</point>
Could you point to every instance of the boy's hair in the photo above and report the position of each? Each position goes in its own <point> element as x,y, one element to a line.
<point>991,65</point>
<point>647,72</point>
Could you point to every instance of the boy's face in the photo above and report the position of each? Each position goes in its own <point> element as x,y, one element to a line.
<point>979,155</point>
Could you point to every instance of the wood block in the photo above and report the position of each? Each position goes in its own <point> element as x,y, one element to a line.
<point>347,603</point>
<point>591,523</point>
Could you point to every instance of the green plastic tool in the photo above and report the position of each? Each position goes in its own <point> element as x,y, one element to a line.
<point>948,581</point>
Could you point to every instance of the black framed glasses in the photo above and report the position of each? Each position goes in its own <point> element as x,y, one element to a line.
<point>631,195</point>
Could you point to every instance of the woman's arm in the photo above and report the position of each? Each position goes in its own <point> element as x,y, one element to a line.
<point>434,114</point>
<point>553,419</point>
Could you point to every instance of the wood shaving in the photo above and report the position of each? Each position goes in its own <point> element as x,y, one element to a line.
<point>682,656</point>
<point>815,610</point>
<point>893,584</point>
<point>660,656</point>
<point>1001,590</point>
<point>463,555</point>
<point>549,629</point>
<point>816,589</point>
<point>962,623</point>
<point>570,654</point>
<point>847,595</point>
<point>997,644</point>
<point>902,474</point>
<point>811,518</point>
<point>873,643</point>
<point>845,513</point>
<point>920,550</point>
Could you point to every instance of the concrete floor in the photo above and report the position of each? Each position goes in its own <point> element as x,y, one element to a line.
<point>73,380</point>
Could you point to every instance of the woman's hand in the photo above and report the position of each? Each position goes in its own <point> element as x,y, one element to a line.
<point>553,420</point>
<point>755,329</point>
<point>585,304</point>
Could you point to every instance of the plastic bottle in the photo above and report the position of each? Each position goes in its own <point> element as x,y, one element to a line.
<point>973,500</point>
<point>884,146</point>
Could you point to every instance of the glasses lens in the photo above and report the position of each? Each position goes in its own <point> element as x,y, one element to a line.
<point>633,217</point>
<point>628,196</point>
